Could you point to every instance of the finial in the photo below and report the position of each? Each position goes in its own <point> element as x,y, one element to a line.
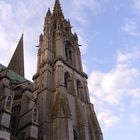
<point>76,37</point>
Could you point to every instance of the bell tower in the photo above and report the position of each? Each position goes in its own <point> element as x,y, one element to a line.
<point>60,85</point>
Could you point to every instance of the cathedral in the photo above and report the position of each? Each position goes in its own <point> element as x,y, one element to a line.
<point>56,105</point>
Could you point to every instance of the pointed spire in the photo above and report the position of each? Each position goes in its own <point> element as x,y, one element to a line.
<point>17,61</point>
<point>57,9</point>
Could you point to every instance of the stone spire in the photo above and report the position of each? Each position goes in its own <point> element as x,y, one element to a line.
<point>17,61</point>
<point>57,9</point>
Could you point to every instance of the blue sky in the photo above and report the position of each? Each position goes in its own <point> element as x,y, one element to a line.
<point>109,32</point>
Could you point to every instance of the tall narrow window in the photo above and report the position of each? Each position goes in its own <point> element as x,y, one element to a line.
<point>79,85</point>
<point>79,89</point>
<point>14,122</point>
<point>70,55</point>
<point>66,79</point>
<point>68,83</point>
<point>68,51</point>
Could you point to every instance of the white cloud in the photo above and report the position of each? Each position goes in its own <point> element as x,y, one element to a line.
<point>5,11</point>
<point>137,5</point>
<point>135,119</point>
<point>17,18</point>
<point>30,64</point>
<point>130,27</point>
<point>78,6</point>
<point>95,5</point>
<point>135,103</point>
<point>124,57</point>
<point>108,119</point>
<point>109,90</point>
<point>110,86</point>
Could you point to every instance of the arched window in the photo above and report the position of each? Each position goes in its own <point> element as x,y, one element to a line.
<point>79,89</point>
<point>79,86</point>
<point>68,51</point>
<point>68,83</point>
<point>66,79</point>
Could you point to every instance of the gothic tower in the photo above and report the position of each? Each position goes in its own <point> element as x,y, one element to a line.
<point>60,85</point>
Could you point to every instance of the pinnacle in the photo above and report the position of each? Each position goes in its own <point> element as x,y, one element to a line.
<point>48,12</point>
<point>75,35</point>
<point>57,8</point>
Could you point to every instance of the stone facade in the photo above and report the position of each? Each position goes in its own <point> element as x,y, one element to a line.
<point>56,106</point>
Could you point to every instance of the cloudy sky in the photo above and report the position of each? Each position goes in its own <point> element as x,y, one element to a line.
<point>109,32</point>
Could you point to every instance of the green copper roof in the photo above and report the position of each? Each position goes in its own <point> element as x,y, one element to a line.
<point>13,76</point>
<point>16,77</point>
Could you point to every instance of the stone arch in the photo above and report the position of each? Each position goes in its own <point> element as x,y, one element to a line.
<point>66,79</point>
<point>69,52</point>
<point>68,82</point>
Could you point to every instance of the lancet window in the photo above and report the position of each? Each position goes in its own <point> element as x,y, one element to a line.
<point>68,52</point>
<point>79,89</point>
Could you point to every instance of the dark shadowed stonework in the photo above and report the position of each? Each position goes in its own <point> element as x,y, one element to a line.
<point>56,106</point>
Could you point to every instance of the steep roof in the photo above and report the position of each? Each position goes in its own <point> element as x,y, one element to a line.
<point>13,76</point>
<point>17,61</point>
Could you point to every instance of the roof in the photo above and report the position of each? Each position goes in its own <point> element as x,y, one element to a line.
<point>13,75</point>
